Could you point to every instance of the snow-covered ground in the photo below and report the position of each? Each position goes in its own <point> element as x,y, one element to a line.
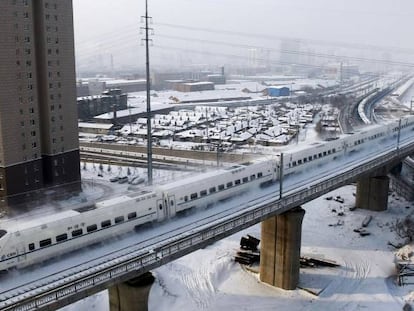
<point>209,279</point>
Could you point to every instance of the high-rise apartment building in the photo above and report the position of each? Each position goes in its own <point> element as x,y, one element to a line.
<point>38,114</point>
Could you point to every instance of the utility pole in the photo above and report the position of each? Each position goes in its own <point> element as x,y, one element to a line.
<point>281,176</point>
<point>149,135</point>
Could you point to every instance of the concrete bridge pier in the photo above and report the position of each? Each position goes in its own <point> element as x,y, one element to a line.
<point>131,295</point>
<point>372,193</point>
<point>280,249</point>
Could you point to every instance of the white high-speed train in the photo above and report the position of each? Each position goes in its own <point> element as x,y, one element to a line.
<point>29,242</point>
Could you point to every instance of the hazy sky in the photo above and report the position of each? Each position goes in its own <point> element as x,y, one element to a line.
<point>107,25</point>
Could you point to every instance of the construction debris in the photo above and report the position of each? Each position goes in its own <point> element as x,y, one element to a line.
<point>306,261</point>
<point>362,231</point>
<point>339,199</point>
<point>339,223</point>
<point>249,243</point>
<point>249,255</point>
<point>366,221</point>
<point>247,258</point>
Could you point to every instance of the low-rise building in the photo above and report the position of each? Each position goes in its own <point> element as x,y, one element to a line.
<point>91,106</point>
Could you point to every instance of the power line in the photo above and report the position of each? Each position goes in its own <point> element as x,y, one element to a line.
<point>292,52</point>
<point>293,39</point>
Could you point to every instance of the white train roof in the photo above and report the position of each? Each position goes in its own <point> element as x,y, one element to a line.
<point>15,225</point>
<point>196,178</point>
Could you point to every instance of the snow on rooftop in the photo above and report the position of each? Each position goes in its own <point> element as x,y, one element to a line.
<point>104,126</point>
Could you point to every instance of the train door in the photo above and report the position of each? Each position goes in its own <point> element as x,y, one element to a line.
<point>161,210</point>
<point>21,252</point>
<point>171,205</point>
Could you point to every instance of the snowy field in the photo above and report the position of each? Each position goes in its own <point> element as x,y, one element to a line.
<point>209,279</point>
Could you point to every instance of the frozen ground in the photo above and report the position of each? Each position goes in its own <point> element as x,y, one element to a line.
<point>209,279</point>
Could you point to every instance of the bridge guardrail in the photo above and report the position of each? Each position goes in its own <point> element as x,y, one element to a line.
<point>131,265</point>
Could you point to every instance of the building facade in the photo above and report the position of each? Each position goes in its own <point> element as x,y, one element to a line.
<point>92,106</point>
<point>38,113</point>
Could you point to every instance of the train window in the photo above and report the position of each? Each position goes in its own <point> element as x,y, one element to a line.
<point>237,182</point>
<point>294,163</point>
<point>132,215</point>
<point>91,228</point>
<point>324,153</point>
<point>229,184</point>
<point>260,174</point>
<point>31,247</point>
<point>119,219</point>
<point>310,158</point>
<point>105,223</point>
<point>61,237</point>
<point>315,157</point>
<point>186,198</point>
<point>212,189</point>
<point>245,179</point>
<point>193,196</point>
<point>2,233</point>
<point>299,162</point>
<point>305,160</point>
<point>76,233</point>
<point>252,177</point>
<point>46,242</point>
<point>172,203</point>
<point>221,187</point>
<point>320,155</point>
<point>203,193</point>
<point>160,206</point>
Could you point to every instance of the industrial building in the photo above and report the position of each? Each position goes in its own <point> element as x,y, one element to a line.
<point>91,106</point>
<point>278,91</point>
<point>38,116</point>
<point>92,87</point>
